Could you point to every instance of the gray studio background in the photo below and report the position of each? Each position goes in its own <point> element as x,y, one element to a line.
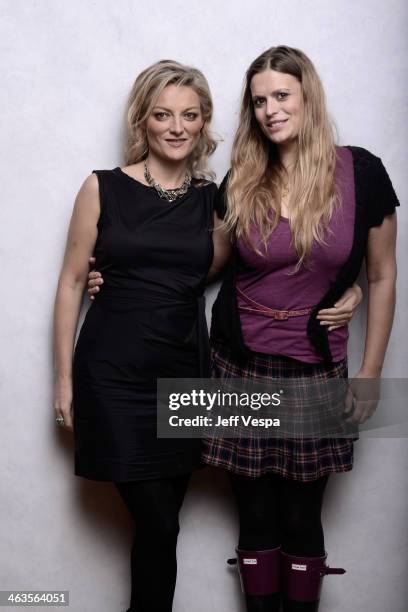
<point>67,68</point>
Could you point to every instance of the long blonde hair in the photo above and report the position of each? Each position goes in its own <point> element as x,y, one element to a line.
<point>256,180</point>
<point>144,94</point>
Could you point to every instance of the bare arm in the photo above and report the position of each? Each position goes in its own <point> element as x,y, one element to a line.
<point>381,275</point>
<point>222,249</point>
<point>82,236</point>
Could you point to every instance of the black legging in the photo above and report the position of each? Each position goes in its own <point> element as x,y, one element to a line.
<point>274,511</point>
<point>154,506</point>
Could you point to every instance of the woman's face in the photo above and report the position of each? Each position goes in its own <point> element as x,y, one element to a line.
<point>278,105</point>
<point>174,125</point>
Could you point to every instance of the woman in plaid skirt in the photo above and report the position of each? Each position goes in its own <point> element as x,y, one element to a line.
<point>304,213</point>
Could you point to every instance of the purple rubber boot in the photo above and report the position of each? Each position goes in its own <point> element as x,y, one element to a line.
<point>302,579</point>
<point>259,572</point>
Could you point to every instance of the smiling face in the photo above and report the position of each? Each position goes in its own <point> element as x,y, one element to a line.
<point>174,126</point>
<point>278,105</point>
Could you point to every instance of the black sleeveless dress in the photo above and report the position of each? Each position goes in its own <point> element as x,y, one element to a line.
<point>148,321</point>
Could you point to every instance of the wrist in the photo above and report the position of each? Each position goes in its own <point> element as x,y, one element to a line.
<point>370,370</point>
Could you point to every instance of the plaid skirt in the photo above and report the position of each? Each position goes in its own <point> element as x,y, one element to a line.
<point>301,459</point>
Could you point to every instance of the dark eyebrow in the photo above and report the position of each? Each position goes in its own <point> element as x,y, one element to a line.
<point>169,111</point>
<point>285,89</point>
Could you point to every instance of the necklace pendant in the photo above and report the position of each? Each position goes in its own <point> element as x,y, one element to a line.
<point>171,195</point>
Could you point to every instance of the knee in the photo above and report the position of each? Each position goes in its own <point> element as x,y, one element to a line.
<point>165,530</point>
<point>297,521</point>
<point>258,531</point>
<point>302,533</point>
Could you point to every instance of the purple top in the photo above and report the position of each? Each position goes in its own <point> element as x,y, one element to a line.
<point>267,280</point>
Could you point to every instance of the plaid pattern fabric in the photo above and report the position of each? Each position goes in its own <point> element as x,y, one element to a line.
<point>299,459</point>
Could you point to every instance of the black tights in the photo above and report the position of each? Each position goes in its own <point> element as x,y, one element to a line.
<point>274,511</point>
<point>154,506</point>
<point>277,512</point>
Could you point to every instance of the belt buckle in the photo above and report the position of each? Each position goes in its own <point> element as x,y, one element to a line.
<point>281,315</point>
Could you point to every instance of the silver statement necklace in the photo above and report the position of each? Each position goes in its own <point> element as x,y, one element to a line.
<point>167,194</point>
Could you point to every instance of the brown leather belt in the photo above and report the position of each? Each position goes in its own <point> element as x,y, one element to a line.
<point>278,315</point>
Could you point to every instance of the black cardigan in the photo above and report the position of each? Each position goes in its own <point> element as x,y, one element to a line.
<point>375,198</point>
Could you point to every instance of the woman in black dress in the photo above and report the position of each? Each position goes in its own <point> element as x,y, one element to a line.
<point>149,226</point>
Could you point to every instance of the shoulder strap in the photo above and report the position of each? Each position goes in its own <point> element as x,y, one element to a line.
<point>106,180</point>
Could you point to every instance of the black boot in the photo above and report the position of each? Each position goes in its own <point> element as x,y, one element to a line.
<point>263,603</point>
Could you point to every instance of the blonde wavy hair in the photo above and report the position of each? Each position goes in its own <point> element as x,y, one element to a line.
<point>143,97</point>
<point>257,177</point>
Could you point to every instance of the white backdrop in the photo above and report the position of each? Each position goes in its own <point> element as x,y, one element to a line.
<point>67,68</point>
